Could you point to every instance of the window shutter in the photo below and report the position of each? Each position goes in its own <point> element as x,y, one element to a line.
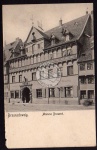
<point>43,92</point>
<point>34,93</point>
<point>56,92</point>
<point>75,91</point>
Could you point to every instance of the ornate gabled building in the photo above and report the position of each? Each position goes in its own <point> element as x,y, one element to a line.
<point>64,46</point>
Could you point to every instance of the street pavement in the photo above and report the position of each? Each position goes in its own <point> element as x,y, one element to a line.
<point>21,107</point>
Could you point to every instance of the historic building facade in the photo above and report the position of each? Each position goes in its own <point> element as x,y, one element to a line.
<point>64,46</point>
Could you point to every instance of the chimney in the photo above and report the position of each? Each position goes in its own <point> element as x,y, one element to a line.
<point>17,39</point>
<point>60,22</point>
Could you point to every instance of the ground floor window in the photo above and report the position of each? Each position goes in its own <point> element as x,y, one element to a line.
<point>12,94</point>
<point>51,92</point>
<point>68,91</point>
<point>16,94</point>
<point>91,94</point>
<point>83,94</point>
<point>39,93</point>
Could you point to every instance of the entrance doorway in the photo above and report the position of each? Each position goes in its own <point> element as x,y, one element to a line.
<point>26,95</point>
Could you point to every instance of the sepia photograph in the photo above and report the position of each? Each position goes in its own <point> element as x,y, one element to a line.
<point>49,66</point>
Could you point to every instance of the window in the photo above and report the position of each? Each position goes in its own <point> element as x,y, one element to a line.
<point>55,54</point>
<point>41,74</point>
<point>34,59</point>
<point>34,76</point>
<point>89,66</point>
<point>69,51</point>
<point>50,73</point>
<point>69,70</point>
<point>16,94</point>
<point>60,72</point>
<point>68,91</point>
<point>83,80</point>
<point>20,78</point>
<point>64,52</point>
<point>83,94</point>
<point>12,94</point>
<point>90,94</point>
<point>82,67</point>
<point>90,79</point>
<point>13,79</point>
<point>51,92</point>
<point>39,93</point>
<point>50,55</point>
<point>38,58</point>
<point>38,46</point>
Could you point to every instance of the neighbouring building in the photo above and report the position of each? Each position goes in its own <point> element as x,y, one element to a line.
<point>68,46</point>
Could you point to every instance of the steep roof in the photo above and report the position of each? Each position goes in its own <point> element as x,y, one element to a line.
<point>75,27</point>
<point>9,47</point>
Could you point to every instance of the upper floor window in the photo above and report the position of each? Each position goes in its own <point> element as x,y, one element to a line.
<point>89,66</point>
<point>50,73</point>
<point>69,70</point>
<point>69,51</point>
<point>34,76</point>
<point>41,74</point>
<point>91,79</point>
<point>55,54</point>
<point>83,80</point>
<point>50,55</point>
<point>34,59</point>
<point>13,79</point>
<point>60,72</point>
<point>20,78</point>
<point>82,66</point>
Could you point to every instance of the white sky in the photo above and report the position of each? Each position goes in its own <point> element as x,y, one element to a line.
<point>17,18</point>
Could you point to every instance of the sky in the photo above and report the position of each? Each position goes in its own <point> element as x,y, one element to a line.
<point>17,19</point>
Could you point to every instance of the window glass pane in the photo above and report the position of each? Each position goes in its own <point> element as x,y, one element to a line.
<point>82,66</point>
<point>83,94</point>
<point>89,66</point>
<point>34,76</point>
<point>69,70</point>
<point>68,92</point>
<point>51,92</point>
<point>91,79</point>
<point>39,92</point>
<point>16,94</point>
<point>50,73</point>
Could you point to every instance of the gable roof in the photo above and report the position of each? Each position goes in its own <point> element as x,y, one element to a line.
<point>42,33</point>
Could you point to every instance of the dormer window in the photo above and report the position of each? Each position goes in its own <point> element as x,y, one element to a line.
<point>66,35</point>
<point>33,36</point>
<point>53,39</point>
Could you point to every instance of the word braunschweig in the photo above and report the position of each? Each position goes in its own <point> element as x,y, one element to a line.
<point>17,115</point>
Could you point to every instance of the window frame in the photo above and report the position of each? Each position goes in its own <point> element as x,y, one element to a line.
<point>53,92</point>
<point>33,78</point>
<point>20,78</point>
<point>81,66</point>
<point>70,90</point>
<point>39,93</point>
<point>13,79</point>
<point>91,66</point>
<point>68,71</point>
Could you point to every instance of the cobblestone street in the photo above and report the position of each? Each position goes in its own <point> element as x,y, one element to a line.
<point>44,107</point>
